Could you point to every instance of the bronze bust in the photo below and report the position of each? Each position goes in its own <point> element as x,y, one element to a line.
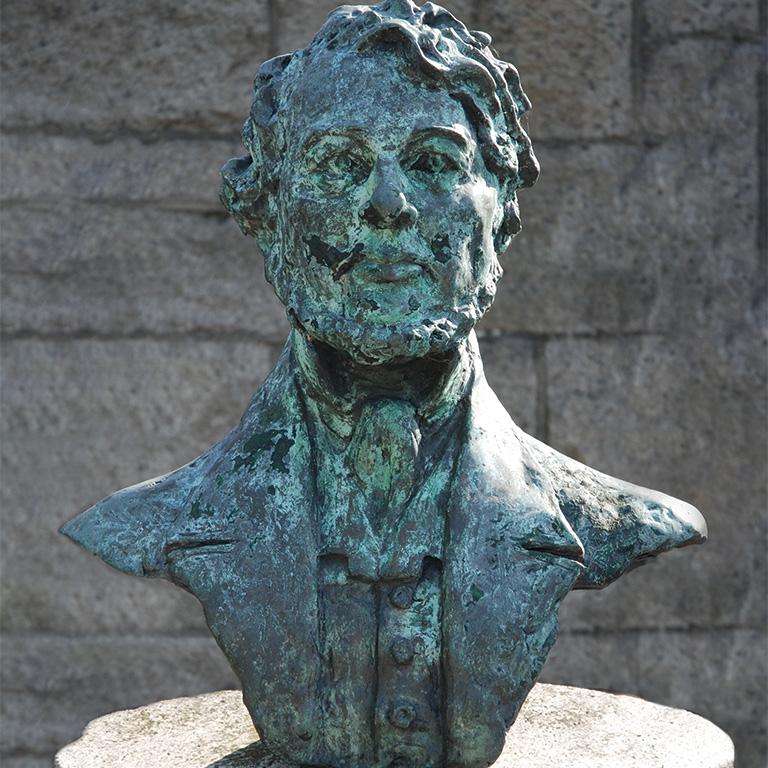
<point>379,550</point>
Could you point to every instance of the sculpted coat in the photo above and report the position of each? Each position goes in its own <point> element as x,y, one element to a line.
<point>238,528</point>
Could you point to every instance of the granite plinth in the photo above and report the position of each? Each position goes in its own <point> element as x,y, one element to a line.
<point>558,727</point>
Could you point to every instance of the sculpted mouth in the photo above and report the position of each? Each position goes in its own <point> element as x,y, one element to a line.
<point>389,266</point>
<point>387,272</point>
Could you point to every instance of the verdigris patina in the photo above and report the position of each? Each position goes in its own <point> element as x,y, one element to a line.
<point>380,552</point>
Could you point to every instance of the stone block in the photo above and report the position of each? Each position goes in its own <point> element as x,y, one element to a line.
<point>510,367</point>
<point>139,67</point>
<point>80,420</point>
<point>732,663</point>
<point>53,686</point>
<point>212,729</point>
<point>26,761</point>
<point>125,270</point>
<point>574,60</point>
<point>685,17</point>
<point>703,88</point>
<point>685,416</point>
<point>719,675</point>
<point>173,175</point>
<point>625,239</point>
<point>606,661</point>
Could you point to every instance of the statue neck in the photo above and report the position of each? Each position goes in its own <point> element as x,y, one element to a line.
<point>340,386</point>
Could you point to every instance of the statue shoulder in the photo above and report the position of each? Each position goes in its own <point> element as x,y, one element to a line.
<point>621,525</point>
<point>132,529</point>
<point>128,529</point>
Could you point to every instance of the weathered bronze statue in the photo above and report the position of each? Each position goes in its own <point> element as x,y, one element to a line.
<point>379,550</point>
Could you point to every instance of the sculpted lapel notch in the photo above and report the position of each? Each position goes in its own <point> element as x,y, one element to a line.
<point>511,557</point>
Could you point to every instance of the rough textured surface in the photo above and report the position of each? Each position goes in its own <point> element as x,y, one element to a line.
<point>192,72</point>
<point>667,228</point>
<point>736,660</point>
<point>558,727</point>
<point>610,382</point>
<point>192,732</point>
<point>161,432</point>
<point>576,63</point>
<point>244,529</point>
<point>54,678</point>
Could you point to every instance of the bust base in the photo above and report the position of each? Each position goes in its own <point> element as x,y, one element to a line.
<point>558,727</point>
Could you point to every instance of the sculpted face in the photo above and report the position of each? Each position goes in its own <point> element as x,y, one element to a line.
<point>386,210</point>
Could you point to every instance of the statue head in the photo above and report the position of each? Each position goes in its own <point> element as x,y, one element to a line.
<point>381,179</point>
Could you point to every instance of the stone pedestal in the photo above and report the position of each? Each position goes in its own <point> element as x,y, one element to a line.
<point>558,727</point>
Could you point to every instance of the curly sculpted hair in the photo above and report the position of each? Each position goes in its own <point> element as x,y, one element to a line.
<point>438,50</point>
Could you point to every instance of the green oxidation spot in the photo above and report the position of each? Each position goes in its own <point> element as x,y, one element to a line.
<point>271,490</point>
<point>476,592</point>
<point>197,511</point>
<point>275,439</point>
<point>280,452</point>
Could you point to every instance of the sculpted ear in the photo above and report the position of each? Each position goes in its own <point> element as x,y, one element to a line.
<point>249,184</point>
<point>240,192</point>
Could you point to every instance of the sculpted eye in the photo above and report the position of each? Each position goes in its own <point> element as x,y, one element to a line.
<point>340,165</point>
<point>435,169</point>
<point>431,163</point>
<point>333,170</point>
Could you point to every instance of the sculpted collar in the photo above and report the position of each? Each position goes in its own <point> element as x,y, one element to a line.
<point>336,389</point>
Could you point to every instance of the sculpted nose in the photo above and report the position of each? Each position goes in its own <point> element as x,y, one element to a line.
<point>388,206</point>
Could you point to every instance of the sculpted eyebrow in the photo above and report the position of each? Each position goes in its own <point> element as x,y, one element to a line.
<point>356,134</point>
<point>457,135</point>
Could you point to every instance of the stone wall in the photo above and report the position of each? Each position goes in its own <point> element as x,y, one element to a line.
<point>628,332</point>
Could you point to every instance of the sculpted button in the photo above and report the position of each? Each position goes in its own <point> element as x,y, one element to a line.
<point>402,650</point>
<point>401,596</point>
<point>402,715</point>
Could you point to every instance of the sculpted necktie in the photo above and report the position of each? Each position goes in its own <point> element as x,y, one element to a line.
<point>384,450</point>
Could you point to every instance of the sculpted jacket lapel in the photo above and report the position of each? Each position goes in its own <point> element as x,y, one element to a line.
<point>511,557</point>
<point>260,492</point>
<point>236,528</point>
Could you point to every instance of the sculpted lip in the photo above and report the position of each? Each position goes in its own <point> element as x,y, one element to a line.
<point>378,272</point>
<point>389,267</point>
